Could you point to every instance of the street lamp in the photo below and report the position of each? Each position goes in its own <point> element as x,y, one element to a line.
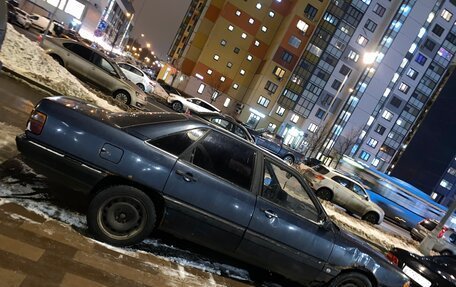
<point>148,45</point>
<point>142,35</point>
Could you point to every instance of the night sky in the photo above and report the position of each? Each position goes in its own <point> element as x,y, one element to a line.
<point>159,21</point>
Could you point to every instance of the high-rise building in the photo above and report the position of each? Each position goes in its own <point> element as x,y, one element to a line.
<point>445,189</point>
<point>331,77</point>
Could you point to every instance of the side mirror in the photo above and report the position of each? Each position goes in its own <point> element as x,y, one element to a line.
<point>325,223</point>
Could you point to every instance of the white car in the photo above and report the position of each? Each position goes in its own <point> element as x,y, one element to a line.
<point>39,22</point>
<point>23,18</point>
<point>333,186</point>
<point>138,77</point>
<point>181,104</point>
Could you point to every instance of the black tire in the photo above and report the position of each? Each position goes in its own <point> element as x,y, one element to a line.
<point>446,252</point>
<point>122,96</point>
<point>289,159</point>
<point>121,215</point>
<point>352,279</point>
<point>141,86</point>
<point>177,106</point>
<point>371,217</point>
<point>57,59</point>
<point>325,194</point>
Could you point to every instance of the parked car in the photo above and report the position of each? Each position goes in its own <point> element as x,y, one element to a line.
<point>39,22</point>
<point>12,15</point>
<point>23,18</point>
<point>227,122</point>
<point>169,89</point>
<point>274,144</point>
<point>181,104</point>
<point>446,238</point>
<point>333,186</point>
<point>138,77</point>
<point>95,68</point>
<point>426,271</point>
<point>185,176</point>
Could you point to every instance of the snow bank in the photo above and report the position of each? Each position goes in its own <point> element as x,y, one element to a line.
<point>26,58</point>
<point>7,141</point>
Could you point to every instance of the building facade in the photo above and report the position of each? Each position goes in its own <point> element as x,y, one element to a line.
<point>331,77</point>
<point>445,190</point>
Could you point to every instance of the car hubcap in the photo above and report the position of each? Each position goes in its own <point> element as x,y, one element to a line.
<point>123,98</point>
<point>177,106</point>
<point>122,217</point>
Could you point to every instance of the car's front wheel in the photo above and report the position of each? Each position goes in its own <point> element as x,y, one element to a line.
<point>325,194</point>
<point>177,106</point>
<point>352,279</point>
<point>121,215</point>
<point>123,97</point>
<point>289,159</point>
<point>371,217</point>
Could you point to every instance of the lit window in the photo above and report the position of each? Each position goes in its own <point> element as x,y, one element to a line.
<point>364,155</point>
<point>294,41</point>
<point>264,29</point>
<point>199,76</point>
<point>243,35</point>
<point>242,72</point>
<point>353,56</point>
<point>279,72</point>
<point>442,52</point>
<point>235,86</point>
<point>362,40</point>
<point>258,6</point>
<point>280,111</point>
<point>446,15</point>
<point>372,142</point>
<point>294,118</point>
<point>395,77</point>
<point>404,88</point>
<point>452,171</point>
<point>223,42</point>
<point>238,13</point>
<point>302,26</point>
<point>249,58</point>
<point>227,102</point>
<point>230,27</point>
<point>201,89</point>
<point>222,79</point>
<point>387,115</point>
<point>446,184</point>
<point>216,57</point>
<point>209,72</point>
<point>379,10</point>
<point>262,101</point>
<point>74,8</point>
<point>271,127</point>
<point>257,43</point>
<point>375,162</point>
<point>229,65</point>
<point>312,127</point>
<point>271,14</point>
<point>314,50</point>
<point>251,21</point>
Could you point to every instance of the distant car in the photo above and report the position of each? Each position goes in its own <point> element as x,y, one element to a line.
<point>274,144</point>
<point>94,68</point>
<point>446,238</point>
<point>179,174</point>
<point>425,271</point>
<point>23,18</point>
<point>169,89</point>
<point>39,22</point>
<point>335,187</point>
<point>137,76</point>
<point>181,104</point>
<point>226,122</point>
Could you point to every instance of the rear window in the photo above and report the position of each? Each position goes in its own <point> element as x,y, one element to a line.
<point>429,225</point>
<point>177,143</point>
<point>321,169</point>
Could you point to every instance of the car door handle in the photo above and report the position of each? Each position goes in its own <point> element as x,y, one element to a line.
<point>188,177</point>
<point>269,214</point>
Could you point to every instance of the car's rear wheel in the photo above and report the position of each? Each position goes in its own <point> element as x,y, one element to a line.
<point>141,86</point>
<point>123,97</point>
<point>325,194</point>
<point>177,106</point>
<point>352,279</point>
<point>446,252</point>
<point>57,59</point>
<point>371,217</point>
<point>121,215</point>
<point>289,159</point>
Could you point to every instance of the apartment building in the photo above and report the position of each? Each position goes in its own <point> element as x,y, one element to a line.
<point>353,77</point>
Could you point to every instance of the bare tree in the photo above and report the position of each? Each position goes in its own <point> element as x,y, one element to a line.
<point>344,144</point>
<point>316,140</point>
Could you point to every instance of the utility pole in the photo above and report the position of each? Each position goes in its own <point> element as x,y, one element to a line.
<point>429,241</point>
<point>46,32</point>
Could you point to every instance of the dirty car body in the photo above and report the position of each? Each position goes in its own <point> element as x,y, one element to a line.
<point>205,185</point>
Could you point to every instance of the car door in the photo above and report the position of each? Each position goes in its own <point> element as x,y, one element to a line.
<point>285,234</point>
<point>360,200</point>
<point>208,192</point>
<point>342,192</point>
<point>103,74</point>
<point>77,59</point>
<point>130,75</point>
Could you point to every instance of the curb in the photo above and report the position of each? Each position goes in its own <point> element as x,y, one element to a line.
<point>30,81</point>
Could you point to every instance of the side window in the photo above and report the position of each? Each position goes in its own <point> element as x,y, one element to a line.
<point>225,157</point>
<point>284,189</point>
<point>79,50</point>
<point>103,64</point>
<point>176,144</point>
<point>221,122</point>
<point>238,131</point>
<point>136,71</point>
<point>321,169</point>
<point>453,238</point>
<point>359,190</point>
<point>342,181</point>
<point>123,66</point>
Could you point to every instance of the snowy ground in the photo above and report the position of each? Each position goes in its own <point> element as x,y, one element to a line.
<point>7,141</point>
<point>26,58</point>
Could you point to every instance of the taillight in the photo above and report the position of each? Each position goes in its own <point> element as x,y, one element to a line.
<point>392,258</point>
<point>36,122</point>
<point>442,232</point>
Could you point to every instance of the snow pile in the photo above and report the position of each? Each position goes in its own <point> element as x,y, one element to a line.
<point>26,58</point>
<point>7,141</point>
<point>368,231</point>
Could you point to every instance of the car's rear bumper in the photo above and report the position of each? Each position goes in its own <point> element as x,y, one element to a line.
<point>57,166</point>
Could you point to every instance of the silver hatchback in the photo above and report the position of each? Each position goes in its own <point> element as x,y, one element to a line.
<point>446,238</point>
